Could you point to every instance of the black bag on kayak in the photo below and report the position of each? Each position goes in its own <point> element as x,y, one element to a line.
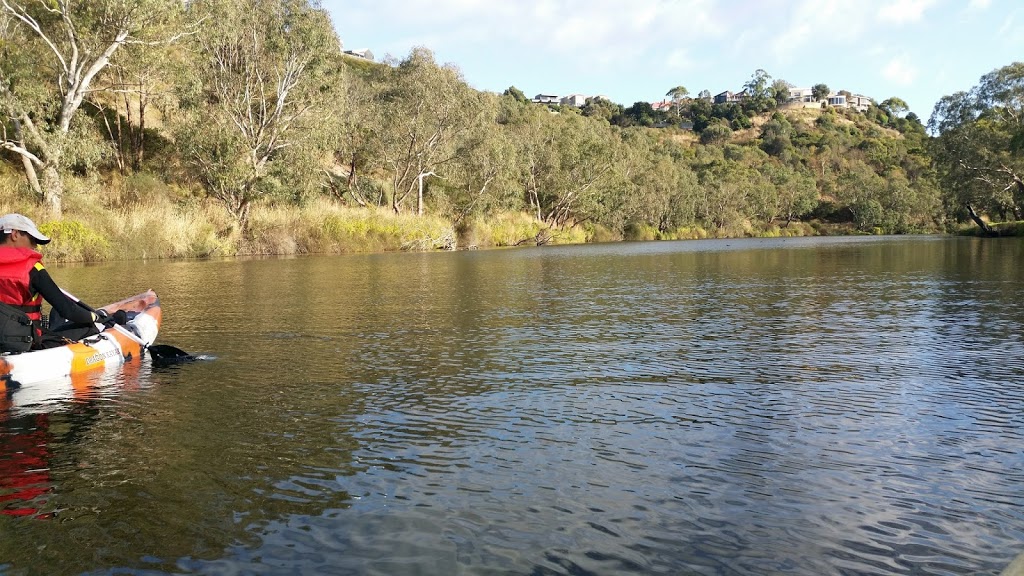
<point>15,329</point>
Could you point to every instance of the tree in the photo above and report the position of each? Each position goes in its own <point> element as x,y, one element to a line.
<point>598,107</point>
<point>53,53</point>
<point>717,132</point>
<point>820,92</point>
<point>356,147</point>
<point>795,192</point>
<point>660,188</point>
<point>780,91</point>
<point>262,90</point>
<point>136,82</point>
<point>517,94</point>
<point>979,144</point>
<point>677,94</point>
<point>775,137</point>
<point>758,88</point>
<point>566,163</point>
<point>480,177</point>
<point>894,106</point>
<point>639,114</point>
<point>428,108</point>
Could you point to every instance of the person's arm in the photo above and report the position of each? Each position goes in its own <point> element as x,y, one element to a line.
<point>41,283</point>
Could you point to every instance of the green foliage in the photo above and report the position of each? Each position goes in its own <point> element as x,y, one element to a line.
<point>976,149</point>
<point>333,158</point>
<point>72,241</point>
<point>760,96</point>
<point>603,109</point>
<point>780,91</point>
<point>639,114</point>
<point>263,87</point>
<point>516,94</point>
<point>716,133</point>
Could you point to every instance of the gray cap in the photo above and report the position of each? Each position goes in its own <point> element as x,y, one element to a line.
<point>12,222</point>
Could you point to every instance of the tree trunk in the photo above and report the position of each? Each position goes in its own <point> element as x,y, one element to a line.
<point>242,213</point>
<point>140,142</point>
<point>30,175</point>
<point>52,188</point>
<point>977,220</point>
<point>30,169</point>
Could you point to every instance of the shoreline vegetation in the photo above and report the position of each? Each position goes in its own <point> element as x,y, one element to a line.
<point>124,222</point>
<point>161,129</point>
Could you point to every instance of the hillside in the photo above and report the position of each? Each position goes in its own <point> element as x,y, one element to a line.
<point>218,144</point>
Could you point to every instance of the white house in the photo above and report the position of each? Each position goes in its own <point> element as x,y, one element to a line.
<point>575,100</point>
<point>363,53</point>
<point>801,95</point>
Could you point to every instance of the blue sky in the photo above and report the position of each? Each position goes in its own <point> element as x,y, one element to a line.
<point>918,50</point>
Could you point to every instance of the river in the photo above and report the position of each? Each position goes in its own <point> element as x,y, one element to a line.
<point>791,406</point>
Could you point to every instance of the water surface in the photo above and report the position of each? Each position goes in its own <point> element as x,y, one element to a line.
<point>804,406</point>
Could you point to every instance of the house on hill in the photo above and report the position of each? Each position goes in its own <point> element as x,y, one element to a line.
<point>547,99</point>
<point>574,100</point>
<point>363,53</point>
<point>801,95</point>
<point>804,98</point>
<point>727,97</point>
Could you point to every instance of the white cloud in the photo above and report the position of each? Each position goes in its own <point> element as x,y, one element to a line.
<point>903,11</point>
<point>900,71</point>
<point>979,5</point>
<point>814,23</point>
<point>679,60</point>
<point>585,31</point>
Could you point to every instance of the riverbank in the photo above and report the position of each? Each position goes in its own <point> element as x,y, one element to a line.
<point>112,223</point>
<point>143,218</point>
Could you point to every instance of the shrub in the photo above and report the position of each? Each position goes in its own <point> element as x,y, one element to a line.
<point>72,241</point>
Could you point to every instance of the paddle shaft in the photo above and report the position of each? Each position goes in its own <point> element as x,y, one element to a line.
<point>101,316</point>
<point>159,352</point>
<point>76,300</point>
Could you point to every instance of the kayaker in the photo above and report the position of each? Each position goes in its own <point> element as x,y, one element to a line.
<point>25,283</point>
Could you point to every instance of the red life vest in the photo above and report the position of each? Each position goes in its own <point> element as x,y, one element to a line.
<point>15,264</point>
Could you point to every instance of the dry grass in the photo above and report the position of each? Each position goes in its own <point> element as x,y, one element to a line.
<point>517,229</point>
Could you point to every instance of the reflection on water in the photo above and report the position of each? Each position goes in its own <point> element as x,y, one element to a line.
<point>821,406</point>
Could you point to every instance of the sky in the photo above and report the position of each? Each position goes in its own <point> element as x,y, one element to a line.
<point>917,50</point>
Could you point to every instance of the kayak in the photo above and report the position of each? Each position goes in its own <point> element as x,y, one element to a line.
<point>113,347</point>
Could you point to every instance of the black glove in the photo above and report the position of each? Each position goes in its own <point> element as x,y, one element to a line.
<point>119,317</point>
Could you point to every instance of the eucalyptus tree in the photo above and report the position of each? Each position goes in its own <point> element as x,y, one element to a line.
<point>517,94</point>
<point>894,106</point>
<point>598,107</point>
<point>796,193</point>
<point>481,178</point>
<point>426,110</point>
<point>979,145</point>
<point>759,94</point>
<point>660,189</point>
<point>355,143</point>
<point>52,54</point>
<point>727,185</point>
<point>678,95</point>
<point>566,165</point>
<point>265,73</point>
<point>780,91</point>
<point>137,84</point>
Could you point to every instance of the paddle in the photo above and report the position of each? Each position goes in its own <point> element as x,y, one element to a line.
<point>161,354</point>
